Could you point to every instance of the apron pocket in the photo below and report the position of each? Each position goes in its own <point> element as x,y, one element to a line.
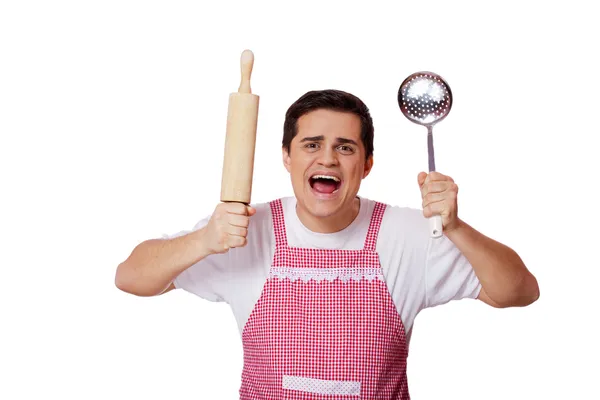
<point>320,386</point>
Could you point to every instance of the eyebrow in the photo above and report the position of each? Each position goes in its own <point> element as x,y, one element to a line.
<point>321,138</point>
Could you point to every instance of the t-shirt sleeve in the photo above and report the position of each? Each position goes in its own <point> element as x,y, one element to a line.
<point>207,278</point>
<point>448,274</point>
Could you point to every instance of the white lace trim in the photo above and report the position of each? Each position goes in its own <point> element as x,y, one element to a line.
<point>329,274</point>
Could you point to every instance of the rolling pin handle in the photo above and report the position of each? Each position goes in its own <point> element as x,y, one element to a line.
<point>246,63</point>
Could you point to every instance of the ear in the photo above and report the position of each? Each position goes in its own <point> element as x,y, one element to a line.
<point>368,166</point>
<point>287,161</point>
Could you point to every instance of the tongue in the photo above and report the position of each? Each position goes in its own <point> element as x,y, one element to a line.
<point>324,186</point>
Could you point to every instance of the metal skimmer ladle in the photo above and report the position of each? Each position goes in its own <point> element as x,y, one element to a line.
<point>425,99</point>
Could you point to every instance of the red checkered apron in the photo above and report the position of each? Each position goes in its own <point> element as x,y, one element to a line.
<point>325,326</point>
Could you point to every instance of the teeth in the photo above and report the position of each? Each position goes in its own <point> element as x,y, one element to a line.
<point>325,177</point>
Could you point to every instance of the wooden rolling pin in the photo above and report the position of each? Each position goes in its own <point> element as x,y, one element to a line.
<point>240,140</point>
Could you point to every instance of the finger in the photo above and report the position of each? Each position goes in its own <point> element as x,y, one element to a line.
<point>433,198</point>
<point>421,178</point>
<point>237,208</point>
<point>237,231</point>
<point>433,187</point>
<point>440,186</point>
<point>452,191</point>
<point>239,220</point>
<point>435,208</point>
<point>438,176</point>
<point>235,241</point>
<point>251,211</point>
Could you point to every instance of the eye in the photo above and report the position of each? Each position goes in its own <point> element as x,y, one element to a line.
<point>311,146</point>
<point>346,149</point>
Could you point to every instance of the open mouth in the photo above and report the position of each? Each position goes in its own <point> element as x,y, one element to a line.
<point>325,184</point>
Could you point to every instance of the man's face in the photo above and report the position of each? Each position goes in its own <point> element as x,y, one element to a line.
<point>327,162</point>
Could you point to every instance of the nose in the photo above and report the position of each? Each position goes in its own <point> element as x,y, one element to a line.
<point>328,157</point>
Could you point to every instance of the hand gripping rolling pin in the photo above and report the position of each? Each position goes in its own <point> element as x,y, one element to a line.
<point>240,140</point>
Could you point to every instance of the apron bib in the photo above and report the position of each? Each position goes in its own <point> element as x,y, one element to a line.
<point>325,325</point>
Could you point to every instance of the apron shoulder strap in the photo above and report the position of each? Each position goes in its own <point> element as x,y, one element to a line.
<point>373,232</point>
<point>278,223</point>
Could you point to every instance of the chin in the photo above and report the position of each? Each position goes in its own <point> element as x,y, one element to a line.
<point>323,205</point>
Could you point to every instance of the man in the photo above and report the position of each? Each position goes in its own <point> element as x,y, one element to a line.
<point>325,285</point>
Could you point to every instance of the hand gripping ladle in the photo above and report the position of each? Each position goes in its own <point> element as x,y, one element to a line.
<point>426,99</point>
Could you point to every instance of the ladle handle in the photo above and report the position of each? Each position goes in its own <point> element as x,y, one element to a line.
<point>436,228</point>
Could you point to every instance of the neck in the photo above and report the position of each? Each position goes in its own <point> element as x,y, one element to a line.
<point>330,224</point>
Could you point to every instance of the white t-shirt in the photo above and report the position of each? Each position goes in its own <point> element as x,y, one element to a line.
<point>419,271</point>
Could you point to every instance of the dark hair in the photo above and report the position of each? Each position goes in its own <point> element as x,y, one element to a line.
<point>330,99</point>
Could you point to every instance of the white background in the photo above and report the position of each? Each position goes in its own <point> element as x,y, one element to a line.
<point>112,123</point>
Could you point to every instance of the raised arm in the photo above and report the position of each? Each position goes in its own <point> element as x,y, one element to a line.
<point>505,280</point>
<point>153,264</point>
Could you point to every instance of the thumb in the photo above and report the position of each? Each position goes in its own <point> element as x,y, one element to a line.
<point>421,178</point>
<point>251,210</point>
